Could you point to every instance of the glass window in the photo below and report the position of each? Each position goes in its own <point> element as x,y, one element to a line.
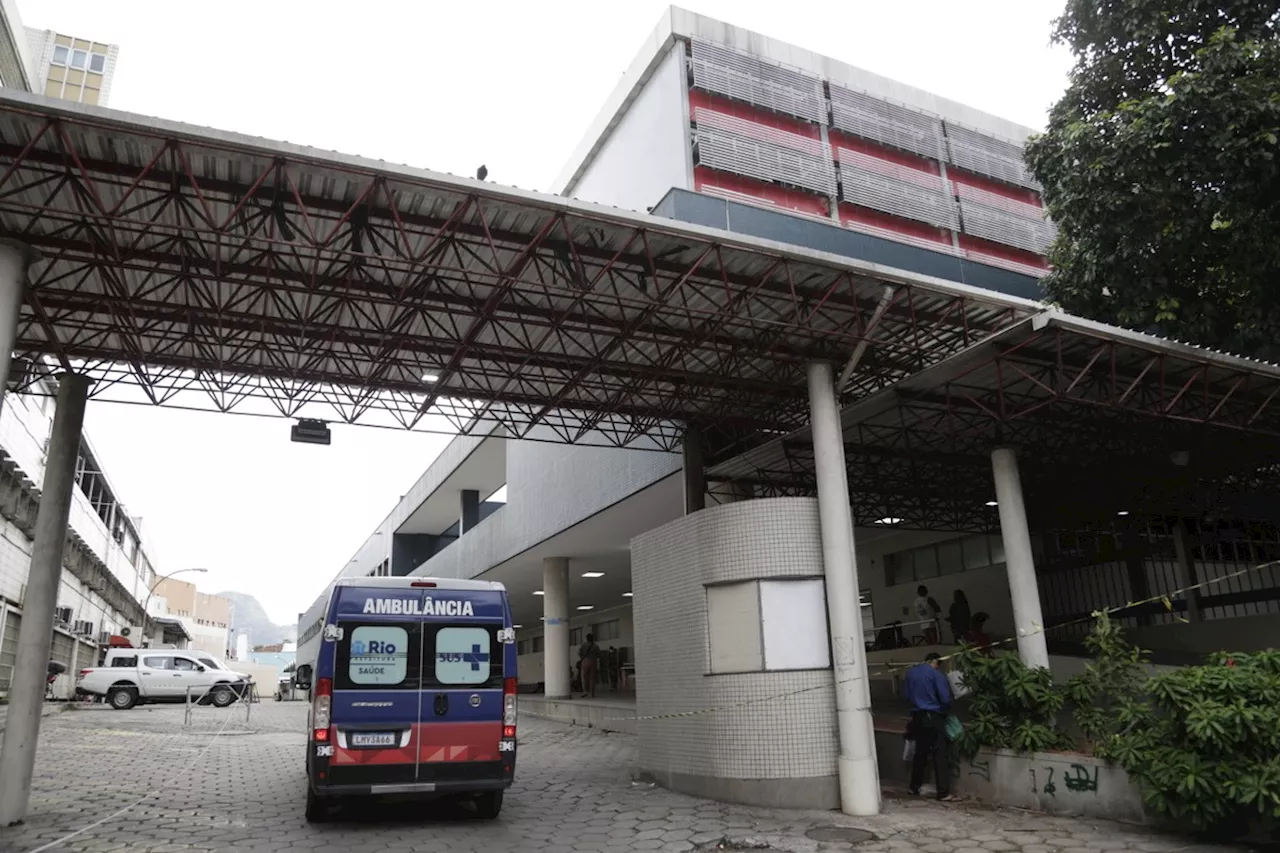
<point>976,555</point>
<point>60,55</point>
<point>372,656</point>
<point>184,664</point>
<point>463,655</point>
<point>926,563</point>
<point>538,644</point>
<point>156,662</point>
<point>97,62</point>
<point>78,58</point>
<point>610,630</point>
<point>132,660</point>
<point>209,663</point>
<point>950,558</point>
<point>899,566</point>
<point>575,637</point>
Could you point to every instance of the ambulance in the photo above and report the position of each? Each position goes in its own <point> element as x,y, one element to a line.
<point>413,692</point>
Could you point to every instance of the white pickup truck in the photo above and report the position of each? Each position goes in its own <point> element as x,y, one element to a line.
<point>139,676</point>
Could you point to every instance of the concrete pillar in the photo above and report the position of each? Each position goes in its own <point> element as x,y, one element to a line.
<point>14,258</point>
<point>35,638</point>
<point>694,472</point>
<point>555,608</point>
<point>1024,590</point>
<point>859,776</point>
<point>1186,571</point>
<point>470,510</point>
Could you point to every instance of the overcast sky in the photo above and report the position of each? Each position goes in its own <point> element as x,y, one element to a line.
<point>444,86</point>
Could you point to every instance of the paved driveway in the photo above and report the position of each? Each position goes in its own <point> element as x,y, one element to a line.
<point>574,792</point>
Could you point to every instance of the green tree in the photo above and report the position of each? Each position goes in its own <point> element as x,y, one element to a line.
<point>1160,167</point>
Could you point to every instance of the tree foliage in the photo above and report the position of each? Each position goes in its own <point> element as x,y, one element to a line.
<point>1161,168</point>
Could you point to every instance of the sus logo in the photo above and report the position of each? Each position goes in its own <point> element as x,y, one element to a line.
<point>359,648</point>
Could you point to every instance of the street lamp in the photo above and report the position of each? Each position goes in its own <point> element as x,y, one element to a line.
<point>146,614</point>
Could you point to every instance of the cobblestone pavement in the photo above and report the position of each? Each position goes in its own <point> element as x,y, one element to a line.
<point>573,792</point>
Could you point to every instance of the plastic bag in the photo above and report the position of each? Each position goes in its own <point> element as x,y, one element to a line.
<point>908,749</point>
<point>954,727</point>
<point>956,679</point>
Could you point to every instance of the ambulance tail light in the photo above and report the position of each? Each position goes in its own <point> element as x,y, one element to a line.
<point>509,708</point>
<point>321,706</point>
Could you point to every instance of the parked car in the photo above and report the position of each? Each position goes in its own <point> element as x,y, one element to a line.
<point>138,676</point>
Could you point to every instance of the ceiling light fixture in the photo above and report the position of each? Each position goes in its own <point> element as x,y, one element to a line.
<point>889,520</point>
<point>627,594</point>
<point>430,377</point>
<point>991,503</point>
<point>593,574</point>
<point>538,592</point>
<point>1123,512</point>
<point>585,607</point>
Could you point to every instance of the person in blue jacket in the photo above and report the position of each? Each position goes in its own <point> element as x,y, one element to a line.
<point>928,693</point>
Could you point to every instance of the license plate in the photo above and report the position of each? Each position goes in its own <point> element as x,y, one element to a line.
<point>373,739</point>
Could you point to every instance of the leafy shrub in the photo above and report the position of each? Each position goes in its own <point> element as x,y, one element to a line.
<point>1204,742</point>
<point>1109,683</point>
<point>1013,706</point>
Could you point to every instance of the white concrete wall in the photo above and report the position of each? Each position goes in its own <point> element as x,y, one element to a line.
<point>550,488</point>
<point>648,152</point>
<point>782,752</point>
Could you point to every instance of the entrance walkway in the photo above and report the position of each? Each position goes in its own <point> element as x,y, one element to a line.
<point>574,792</point>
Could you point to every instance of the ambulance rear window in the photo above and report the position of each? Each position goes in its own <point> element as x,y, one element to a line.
<point>379,657</point>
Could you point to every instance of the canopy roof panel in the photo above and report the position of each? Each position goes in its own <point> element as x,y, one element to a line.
<point>1105,421</point>
<point>213,269</point>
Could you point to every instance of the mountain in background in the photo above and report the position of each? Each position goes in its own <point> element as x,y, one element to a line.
<point>248,616</point>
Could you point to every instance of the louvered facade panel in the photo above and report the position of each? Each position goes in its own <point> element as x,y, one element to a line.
<point>725,71</point>
<point>1000,226</point>
<point>764,153</point>
<point>987,155</point>
<point>885,122</point>
<point>881,185</point>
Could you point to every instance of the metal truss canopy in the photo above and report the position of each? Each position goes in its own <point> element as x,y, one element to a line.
<point>1105,421</point>
<point>237,274</point>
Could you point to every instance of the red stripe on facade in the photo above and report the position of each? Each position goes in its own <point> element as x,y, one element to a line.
<point>902,158</point>
<point>978,246</point>
<point>851,213</point>
<point>1021,194</point>
<point>770,195</point>
<point>699,98</point>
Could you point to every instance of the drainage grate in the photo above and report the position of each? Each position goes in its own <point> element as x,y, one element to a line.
<point>846,834</point>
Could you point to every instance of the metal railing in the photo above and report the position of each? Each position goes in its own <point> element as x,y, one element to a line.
<point>196,697</point>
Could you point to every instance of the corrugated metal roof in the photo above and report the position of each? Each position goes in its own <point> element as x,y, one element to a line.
<point>1082,402</point>
<point>215,269</point>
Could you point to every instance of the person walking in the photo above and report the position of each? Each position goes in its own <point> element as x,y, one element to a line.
<point>959,616</point>
<point>928,693</point>
<point>927,611</point>
<point>589,666</point>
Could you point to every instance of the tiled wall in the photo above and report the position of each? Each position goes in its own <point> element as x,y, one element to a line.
<point>763,738</point>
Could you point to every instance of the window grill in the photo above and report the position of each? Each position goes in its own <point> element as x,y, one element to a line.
<point>987,155</point>
<point>882,121</point>
<point>725,71</point>
<point>881,185</point>
<point>1000,226</point>
<point>761,152</point>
